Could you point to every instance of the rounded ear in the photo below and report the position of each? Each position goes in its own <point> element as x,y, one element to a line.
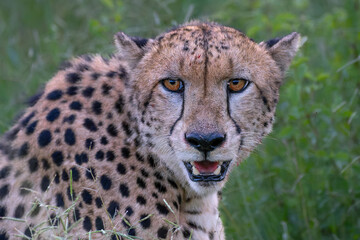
<point>283,49</point>
<point>131,48</point>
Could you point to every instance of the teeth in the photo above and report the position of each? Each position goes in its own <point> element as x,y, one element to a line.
<point>217,171</point>
<point>195,171</point>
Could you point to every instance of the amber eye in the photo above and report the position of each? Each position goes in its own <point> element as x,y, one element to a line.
<point>237,85</point>
<point>173,85</point>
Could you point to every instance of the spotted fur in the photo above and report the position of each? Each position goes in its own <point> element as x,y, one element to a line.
<point>107,133</point>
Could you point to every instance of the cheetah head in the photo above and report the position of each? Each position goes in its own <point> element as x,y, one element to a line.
<point>205,97</point>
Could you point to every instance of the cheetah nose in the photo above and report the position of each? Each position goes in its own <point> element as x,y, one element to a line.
<point>205,142</point>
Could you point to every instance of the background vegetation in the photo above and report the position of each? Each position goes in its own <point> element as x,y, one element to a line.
<point>303,182</point>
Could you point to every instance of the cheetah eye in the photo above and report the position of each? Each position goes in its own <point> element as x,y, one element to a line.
<point>237,85</point>
<point>173,85</point>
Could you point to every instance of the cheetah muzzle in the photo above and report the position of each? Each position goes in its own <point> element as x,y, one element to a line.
<point>206,171</point>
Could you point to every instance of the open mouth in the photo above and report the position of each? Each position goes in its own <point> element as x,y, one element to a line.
<point>207,171</point>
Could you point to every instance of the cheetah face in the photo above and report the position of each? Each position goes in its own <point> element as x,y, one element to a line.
<point>206,96</point>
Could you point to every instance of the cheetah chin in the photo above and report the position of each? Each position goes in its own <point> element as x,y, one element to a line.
<point>207,171</point>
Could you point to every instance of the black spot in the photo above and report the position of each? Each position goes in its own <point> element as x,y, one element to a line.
<point>111,74</point>
<point>144,173</point>
<point>65,175</point>
<point>121,168</point>
<point>35,209</point>
<point>90,173</point>
<point>172,183</point>
<point>113,208</point>
<point>99,225</point>
<point>99,155</point>
<point>139,157</point>
<point>75,174</point>
<point>125,152</point>
<point>151,161</point>
<point>59,200</point>
<point>104,140</point>
<point>129,211</point>
<point>158,176</point>
<point>111,129</point>
<point>265,124</point>
<point>28,232</point>
<point>98,202</point>
<point>76,215</point>
<point>141,183</point>
<point>162,232</point>
<point>122,73</point>
<point>5,171</point>
<point>96,107</point>
<point>95,76</point>
<point>45,164</point>
<point>3,212</point>
<point>86,196</point>
<point>141,200</point>
<point>54,95</point>
<point>81,158</point>
<point>45,182</point>
<point>176,205</point>
<point>119,104</point>
<point>110,156</point>
<point>90,125</point>
<point>124,190</point>
<point>70,194</point>
<point>4,190</point>
<point>24,150</point>
<point>145,221</point>
<point>57,157</point>
<point>87,225</point>
<point>126,128</point>
<point>186,233</point>
<point>89,144</point>
<point>26,120</point>
<point>88,92</point>
<point>73,77</point>
<point>161,188</point>
<point>132,232</point>
<point>44,138</point>
<point>70,119</point>
<point>106,89</point>
<point>162,209</point>
<point>33,164</point>
<point>19,211</point>
<point>71,91</point>
<point>53,115</point>
<point>69,137</point>
<point>3,235</point>
<point>75,105</point>
<point>31,128</point>
<point>105,182</point>
<point>53,220</point>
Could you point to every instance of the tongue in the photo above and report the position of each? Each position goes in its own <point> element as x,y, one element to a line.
<point>206,166</point>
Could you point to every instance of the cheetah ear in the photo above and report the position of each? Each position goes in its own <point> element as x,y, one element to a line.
<point>283,50</point>
<point>131,49</point>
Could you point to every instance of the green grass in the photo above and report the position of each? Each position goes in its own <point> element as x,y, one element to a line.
<point>303,182</point>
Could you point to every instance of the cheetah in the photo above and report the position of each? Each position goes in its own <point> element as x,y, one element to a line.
<point>140,144</point>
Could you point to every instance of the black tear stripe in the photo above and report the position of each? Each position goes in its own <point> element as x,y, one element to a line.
<point>181,114</point>
<point>238,129</point>
<point>206,47</point>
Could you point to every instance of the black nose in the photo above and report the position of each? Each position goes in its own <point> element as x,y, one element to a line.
<point>205,142</point>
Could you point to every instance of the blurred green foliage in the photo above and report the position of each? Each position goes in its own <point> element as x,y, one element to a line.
<point>303,182</point>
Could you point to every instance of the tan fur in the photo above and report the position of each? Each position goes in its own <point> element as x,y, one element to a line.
<point>144,125</point>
